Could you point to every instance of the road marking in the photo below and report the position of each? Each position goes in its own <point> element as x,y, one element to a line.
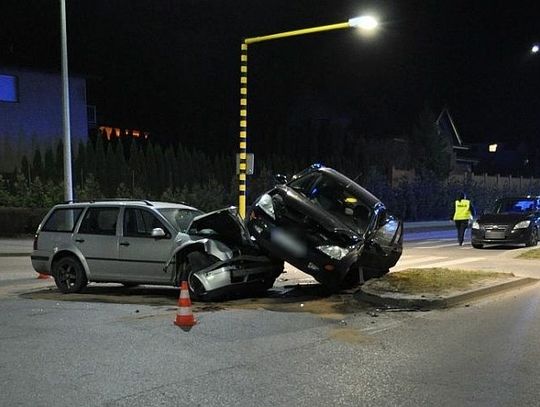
<point>428,241</point>
<point>418,259</point>
<point>452,262</point>
<point>437,246</point>
<point>431,261</point>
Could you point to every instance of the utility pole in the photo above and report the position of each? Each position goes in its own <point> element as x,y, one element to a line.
<point>68,184</point>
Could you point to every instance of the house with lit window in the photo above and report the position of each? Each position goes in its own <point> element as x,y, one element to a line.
<point>31,104</point>
<point>31,108</point>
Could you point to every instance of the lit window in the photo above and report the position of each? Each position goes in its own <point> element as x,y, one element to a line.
<point>8,88</point>
<point>493,148</point>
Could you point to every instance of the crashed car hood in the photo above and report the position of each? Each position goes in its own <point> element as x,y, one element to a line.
<point>503,218</point>
<point>225,222</point>
<point>296,201</point>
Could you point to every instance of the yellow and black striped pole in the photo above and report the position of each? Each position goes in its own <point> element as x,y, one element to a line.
<point>242,179</point>
<point>363,22</point>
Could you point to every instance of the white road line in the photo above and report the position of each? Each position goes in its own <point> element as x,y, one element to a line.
<point>437,246</point>
<point>418,260</point>
<point>427,241</point>
<point>452,262</point>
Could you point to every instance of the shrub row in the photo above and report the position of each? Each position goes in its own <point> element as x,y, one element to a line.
<point>20,221</point>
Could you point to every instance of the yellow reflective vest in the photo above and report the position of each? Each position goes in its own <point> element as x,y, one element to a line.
<point>463,210</point>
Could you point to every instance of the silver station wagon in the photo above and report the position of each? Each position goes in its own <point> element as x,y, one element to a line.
<point>143,242</point>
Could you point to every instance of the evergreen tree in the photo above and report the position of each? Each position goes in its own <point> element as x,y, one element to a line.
<point>37,164</point>
<point>48,163</point>
<point>99,164</point>
<point>25,169</point>
<point>58,171</point>
<point>431,150</point>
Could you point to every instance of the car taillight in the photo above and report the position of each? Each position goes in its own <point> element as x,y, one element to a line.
<point>36,236</point>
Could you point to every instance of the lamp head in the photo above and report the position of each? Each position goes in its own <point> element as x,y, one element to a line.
<point>368,23</point>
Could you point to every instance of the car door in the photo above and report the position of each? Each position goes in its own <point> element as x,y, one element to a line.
<point>142,257</point>
<point>97,239</point>
<point>383,246</point>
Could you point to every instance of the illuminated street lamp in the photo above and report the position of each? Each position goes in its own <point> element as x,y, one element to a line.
<point>364,23</point>
<point>535,48</point>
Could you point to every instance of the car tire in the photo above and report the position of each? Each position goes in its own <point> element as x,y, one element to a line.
<point>533,238</point>
<point>269,282</point>
<point>352,278</point>
<point>370,273</point>
<point>69,275</point>
<point>477,245</point>
<point>193,262</point>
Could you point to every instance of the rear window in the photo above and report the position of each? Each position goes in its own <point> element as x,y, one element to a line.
<point>62,220</point>
<point>99,221</point>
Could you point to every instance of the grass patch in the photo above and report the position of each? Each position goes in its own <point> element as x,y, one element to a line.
<point>433,280</point>
<point>533,254</point>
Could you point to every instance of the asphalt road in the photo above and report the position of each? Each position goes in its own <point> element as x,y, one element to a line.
<point>292,349</point>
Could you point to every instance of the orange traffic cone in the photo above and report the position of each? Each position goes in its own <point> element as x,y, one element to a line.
<point>42,276</point>
<point>184,315</point>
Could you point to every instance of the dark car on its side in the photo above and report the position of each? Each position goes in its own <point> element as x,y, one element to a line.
<point>328,226</point>
<point>512,220</point>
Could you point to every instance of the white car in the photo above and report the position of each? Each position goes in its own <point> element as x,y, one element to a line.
<point>143,242</point>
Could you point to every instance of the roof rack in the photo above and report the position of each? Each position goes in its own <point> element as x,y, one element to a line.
<point>147,202</point>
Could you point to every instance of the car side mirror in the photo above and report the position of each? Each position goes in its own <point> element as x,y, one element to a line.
<point>280,179</point>
<point>157,233</point>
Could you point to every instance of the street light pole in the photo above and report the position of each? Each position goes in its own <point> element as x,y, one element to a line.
<point>363,22</point>
<point>68,187</point>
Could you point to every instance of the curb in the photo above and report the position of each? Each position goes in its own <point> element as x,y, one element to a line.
<point>365,294</point>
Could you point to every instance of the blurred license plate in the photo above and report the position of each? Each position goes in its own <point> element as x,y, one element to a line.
<point>288,242</point>
<point>492,234</point>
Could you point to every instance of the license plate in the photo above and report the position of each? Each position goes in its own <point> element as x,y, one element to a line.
<point>495,234</point>
<point>288,242</point>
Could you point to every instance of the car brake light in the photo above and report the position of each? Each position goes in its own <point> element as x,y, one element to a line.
<point>36,236</point>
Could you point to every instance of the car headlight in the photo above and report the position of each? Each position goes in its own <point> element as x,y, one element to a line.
<point>335,252</point>
<point>265,203</point>
<point>523,224</point>
<point>476,225</point>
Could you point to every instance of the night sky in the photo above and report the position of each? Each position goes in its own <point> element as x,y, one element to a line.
<point>172,66</point>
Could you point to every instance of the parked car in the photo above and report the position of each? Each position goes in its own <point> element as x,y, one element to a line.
<point>143,242</point>
<point>328,226</point>
<point>511,220</point>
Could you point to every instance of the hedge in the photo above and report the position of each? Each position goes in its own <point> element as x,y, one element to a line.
<point>20,221</point>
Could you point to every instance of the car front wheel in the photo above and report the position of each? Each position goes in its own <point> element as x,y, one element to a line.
<point>533,238</point>
<point>477,245</point>
<point>194,262</point>
<point>69,275</point>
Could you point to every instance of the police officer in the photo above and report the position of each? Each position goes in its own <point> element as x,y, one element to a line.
<point>463,212</point>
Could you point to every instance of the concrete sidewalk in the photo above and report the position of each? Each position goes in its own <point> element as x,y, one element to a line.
<point>15,247</point>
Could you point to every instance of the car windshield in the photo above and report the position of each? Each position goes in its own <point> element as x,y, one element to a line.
<point>342,200</point>
<point>518,205</point>
<point>180,218</point>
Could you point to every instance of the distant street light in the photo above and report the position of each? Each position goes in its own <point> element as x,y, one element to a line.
<point>535,49</point>
<point>364,23</point>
